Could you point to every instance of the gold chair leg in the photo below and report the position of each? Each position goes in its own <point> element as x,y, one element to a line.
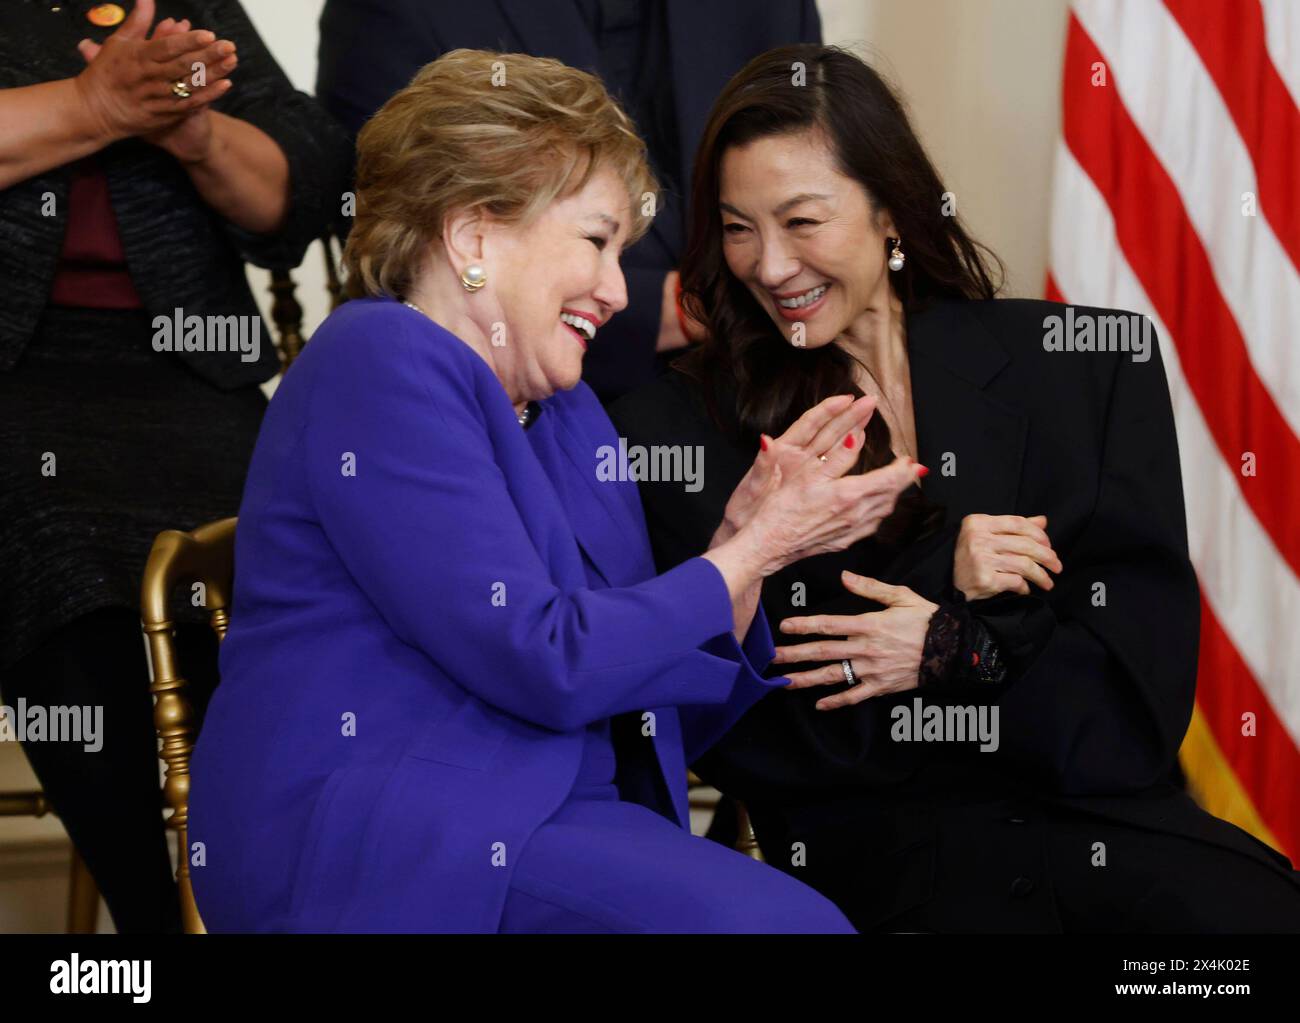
<point>191,921</point>
<point>286,313</point>
<point>746,842</point>
<point>83,897</point>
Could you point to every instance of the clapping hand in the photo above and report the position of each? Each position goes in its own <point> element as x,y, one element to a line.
<point>836,420</point>
<point>128,85</point>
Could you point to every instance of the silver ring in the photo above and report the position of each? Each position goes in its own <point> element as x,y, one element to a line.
<point>823,458</point>
<point>849,677</point>
<point>181,90</point>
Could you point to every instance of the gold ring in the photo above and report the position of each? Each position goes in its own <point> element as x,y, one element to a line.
<point>180,90</point>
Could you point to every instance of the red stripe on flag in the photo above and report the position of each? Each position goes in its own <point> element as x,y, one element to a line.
<point>1050,291</point>
<point>1267,764</point>
<point>1231,42</point>
<point>1167,256</point>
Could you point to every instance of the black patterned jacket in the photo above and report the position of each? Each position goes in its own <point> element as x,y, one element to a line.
<point>179,252</point>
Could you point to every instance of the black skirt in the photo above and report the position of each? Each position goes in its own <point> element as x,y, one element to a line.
<point>104,443</point>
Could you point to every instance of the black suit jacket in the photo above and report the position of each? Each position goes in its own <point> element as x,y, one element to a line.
<point>369,49</point>
<point>1099,696</point>
<point>178,251</point>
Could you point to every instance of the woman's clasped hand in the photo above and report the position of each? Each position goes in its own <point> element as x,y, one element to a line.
<point>995,554</point>
<point>157,86</point>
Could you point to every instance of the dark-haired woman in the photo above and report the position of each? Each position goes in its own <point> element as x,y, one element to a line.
<point>988,695</point>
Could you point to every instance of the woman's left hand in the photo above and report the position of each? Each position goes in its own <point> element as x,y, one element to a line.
<point>883,647</point>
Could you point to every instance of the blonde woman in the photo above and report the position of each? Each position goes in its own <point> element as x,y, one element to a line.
<point>455,695</point>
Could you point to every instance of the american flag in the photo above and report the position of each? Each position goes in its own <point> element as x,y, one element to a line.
<point>1177,195</point>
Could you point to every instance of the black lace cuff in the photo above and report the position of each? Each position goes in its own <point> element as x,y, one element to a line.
<point>958,647</point>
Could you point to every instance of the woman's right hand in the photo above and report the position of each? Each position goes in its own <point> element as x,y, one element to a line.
<point>835,420</point>
<point>800,503</point>
<point>126,89</point>
<point>820,510</point>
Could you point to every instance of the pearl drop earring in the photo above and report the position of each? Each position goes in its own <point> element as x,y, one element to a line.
<point>896,258</point>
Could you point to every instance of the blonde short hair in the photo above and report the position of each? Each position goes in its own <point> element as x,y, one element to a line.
<point>475,129</point>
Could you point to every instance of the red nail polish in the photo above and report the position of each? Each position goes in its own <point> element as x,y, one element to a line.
<point>848,441</point>
<point>762,441</point>
<point>922,470</point>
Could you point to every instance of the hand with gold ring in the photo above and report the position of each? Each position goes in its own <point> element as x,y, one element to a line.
<point>128,86</point>
<point>838,420</point>
<point>189,139</point>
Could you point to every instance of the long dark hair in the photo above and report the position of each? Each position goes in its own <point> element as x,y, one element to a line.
<point>753,379</point>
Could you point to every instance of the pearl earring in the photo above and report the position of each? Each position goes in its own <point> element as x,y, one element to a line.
<point>473,277</point>
<point>896,258</point>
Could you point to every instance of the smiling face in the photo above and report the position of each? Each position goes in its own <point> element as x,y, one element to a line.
<point>555,281</point>
<point>801,236</point>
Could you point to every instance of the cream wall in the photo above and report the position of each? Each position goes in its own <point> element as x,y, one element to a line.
<point>982,80</point>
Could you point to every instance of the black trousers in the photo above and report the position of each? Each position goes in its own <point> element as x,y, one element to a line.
<point>1023,866</point>
<point>110,800</point>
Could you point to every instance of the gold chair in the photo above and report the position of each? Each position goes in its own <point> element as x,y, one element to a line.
<point>701,797</point>
<point>83,895</point>
<point>746,841</point>
<point>286,311</point>
<point>207,556</point>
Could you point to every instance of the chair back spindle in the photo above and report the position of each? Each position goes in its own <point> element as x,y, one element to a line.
<point>207,556</point>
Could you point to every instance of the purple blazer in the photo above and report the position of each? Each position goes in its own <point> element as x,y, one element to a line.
<point>415,650</point>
